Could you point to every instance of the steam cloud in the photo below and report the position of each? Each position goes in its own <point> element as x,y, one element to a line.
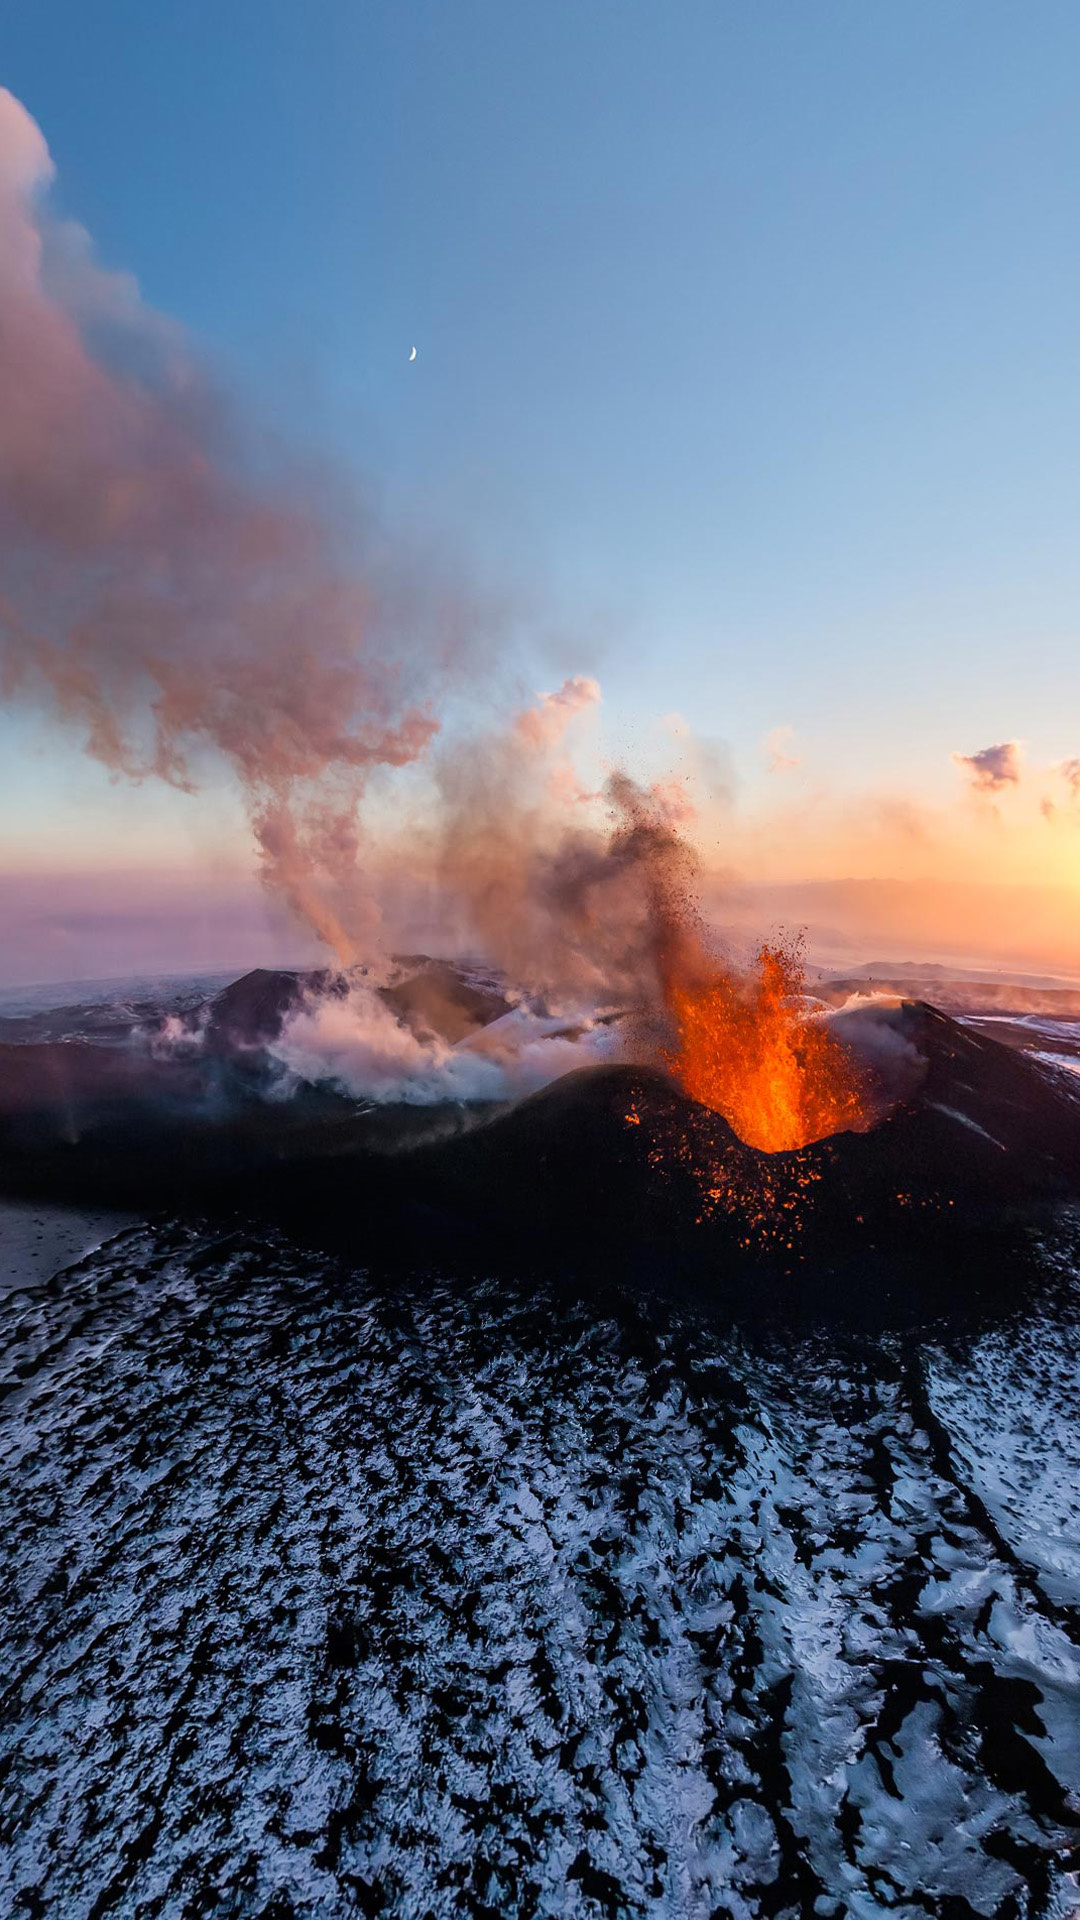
<point>354,1041</point>
<point>158,594</point>
<point>544,725</point>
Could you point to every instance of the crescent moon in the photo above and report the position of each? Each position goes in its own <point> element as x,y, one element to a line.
<point>412,355</point>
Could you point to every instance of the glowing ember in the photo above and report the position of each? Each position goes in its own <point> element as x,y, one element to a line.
<point>748,1048</point>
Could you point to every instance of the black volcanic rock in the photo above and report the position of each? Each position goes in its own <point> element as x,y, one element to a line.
<point>59,1090</point>
<point>596,1152</point>
<point>105,1124</point>
<point>986,1109</point>
<point>106,1023</point>
<point>434,996</point>
<point>251,1011</point>
<point>332,1590</point>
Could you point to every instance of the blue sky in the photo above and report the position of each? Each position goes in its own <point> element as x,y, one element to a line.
<point>747,346</point>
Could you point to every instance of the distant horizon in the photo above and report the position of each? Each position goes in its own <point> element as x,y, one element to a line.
<point>828,950</point>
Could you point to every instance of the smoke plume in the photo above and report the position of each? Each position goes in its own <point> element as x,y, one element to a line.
<point>354,1041</point>
<point>526,875</point>
<point>180,610</point>
<point>164,597</point>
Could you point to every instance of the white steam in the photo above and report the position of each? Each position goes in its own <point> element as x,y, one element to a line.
<point>869,1026</point>
<point>357,1044</point>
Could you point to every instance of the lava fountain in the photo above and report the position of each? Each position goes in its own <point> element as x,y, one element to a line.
<point>747,1045</point>
<point>743,1042</point>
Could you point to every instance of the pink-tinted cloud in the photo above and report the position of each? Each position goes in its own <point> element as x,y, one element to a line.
<point>542,726</point>
<point>992,769</point>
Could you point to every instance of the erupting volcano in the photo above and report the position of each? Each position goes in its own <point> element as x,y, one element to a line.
<point>538,1380</point>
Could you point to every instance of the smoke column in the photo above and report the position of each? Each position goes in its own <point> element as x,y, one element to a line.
<point>169,604</point>
<point>165,601</point>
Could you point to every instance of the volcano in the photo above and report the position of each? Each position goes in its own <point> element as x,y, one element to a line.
<point>617,1160</point>
<point>612,1158</point>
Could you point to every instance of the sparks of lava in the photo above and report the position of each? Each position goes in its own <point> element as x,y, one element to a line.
<point>765,1195</point>
<point>748,1046</point>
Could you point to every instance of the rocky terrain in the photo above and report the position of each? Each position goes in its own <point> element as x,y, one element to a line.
<point>329,1591</point>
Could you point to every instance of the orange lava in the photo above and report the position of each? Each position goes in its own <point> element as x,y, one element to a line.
<point>747,1047</point>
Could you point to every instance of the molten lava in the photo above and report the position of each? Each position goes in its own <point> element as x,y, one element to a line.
<point>747,1047</point>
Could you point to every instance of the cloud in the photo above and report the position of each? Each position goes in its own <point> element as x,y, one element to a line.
<point>1070,773</point>
<point>992,769</point>
<point>358,1044</point>
<point>1067,771</point>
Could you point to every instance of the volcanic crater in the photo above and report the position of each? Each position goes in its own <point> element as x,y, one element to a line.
<point>969,1136</point>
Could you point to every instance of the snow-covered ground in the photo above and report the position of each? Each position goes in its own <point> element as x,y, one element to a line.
<point>330,1593</point>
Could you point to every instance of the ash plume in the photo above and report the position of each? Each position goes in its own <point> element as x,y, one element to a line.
<point>165,597</point>
<point>584,924</point>
<point>524,874</point>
